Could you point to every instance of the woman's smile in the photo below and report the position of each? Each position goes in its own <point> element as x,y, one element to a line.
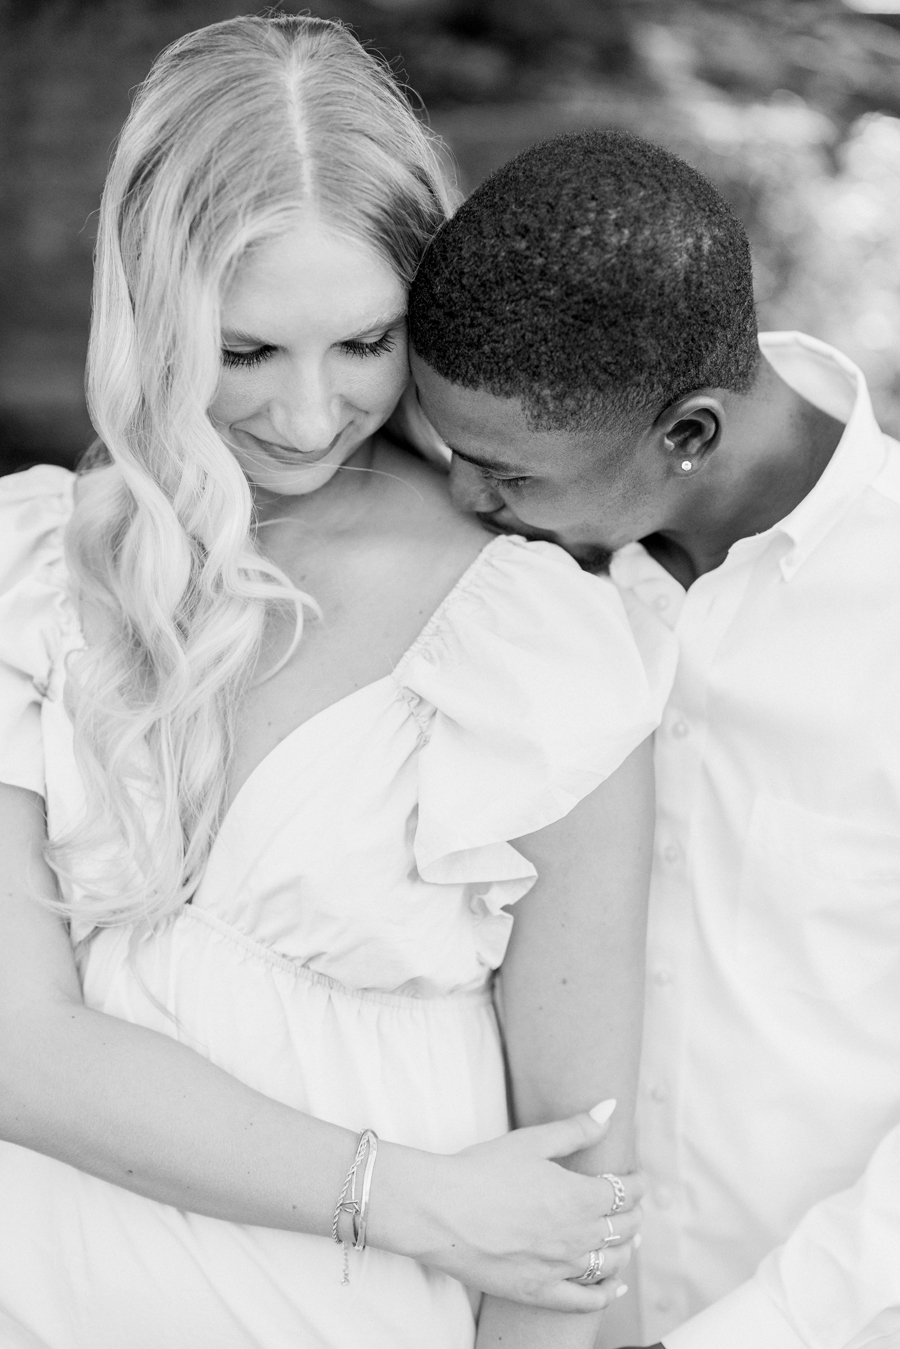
<point>289,454</point>
<point>313,356</point>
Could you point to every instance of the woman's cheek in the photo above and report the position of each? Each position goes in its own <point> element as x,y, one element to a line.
<point>231,401</point>
<point>394,380</point>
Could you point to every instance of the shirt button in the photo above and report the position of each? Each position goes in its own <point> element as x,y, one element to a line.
<point>662,977</point>
<point>670,852</point>
<point>680,729</point>
<point>661,602</point>
<point>659,1093</point>
<point>663,1197</point>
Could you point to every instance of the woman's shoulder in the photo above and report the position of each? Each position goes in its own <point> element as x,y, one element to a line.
<point>427,483</point>
<point>528,604</point>
<point>529,641</point>
<point>421,523</point>
<point>531,689</point>
<point>522,604</point>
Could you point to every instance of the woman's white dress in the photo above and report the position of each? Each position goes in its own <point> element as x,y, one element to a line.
<point>338,953</point>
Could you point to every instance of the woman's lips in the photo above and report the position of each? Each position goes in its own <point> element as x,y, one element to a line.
<point>288,453</point>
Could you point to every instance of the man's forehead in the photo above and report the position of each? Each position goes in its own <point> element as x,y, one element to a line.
<point>480,427</point>
<point>471,410</point>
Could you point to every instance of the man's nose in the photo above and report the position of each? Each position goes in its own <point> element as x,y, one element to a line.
<point>470,490</point>
<point>305,410</point>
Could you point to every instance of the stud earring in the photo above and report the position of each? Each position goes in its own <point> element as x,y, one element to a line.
<point>686,465</point>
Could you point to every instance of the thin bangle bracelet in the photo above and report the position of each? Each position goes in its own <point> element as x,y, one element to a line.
<point>371,1139</point>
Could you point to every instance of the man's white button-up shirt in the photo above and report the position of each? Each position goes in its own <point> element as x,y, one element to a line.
<point>769,1118</point>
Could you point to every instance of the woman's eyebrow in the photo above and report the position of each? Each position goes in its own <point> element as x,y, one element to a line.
<point>382,322</point>
<point>232,335</point>
<point>379,324</point>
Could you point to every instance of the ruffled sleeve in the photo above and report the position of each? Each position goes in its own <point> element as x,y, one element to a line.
<point>532,688</point>
<point>36,617</point>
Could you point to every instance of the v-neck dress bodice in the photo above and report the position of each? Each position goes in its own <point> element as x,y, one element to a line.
<point>338,952</point>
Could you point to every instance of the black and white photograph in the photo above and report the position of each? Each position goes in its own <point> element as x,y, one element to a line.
<point>450,674</point>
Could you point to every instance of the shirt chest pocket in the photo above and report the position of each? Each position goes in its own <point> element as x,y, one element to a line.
<point>818,903</point>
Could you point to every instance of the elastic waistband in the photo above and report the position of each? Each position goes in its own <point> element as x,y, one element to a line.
<point>300,971</point>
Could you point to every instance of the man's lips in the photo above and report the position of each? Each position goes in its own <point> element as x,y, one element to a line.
<point>491,521</point>
<point>590,557</point>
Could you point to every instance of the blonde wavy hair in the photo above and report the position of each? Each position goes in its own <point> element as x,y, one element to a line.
<point>238,128</point>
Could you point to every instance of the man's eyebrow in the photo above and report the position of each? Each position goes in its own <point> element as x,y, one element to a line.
<point>494,465</point>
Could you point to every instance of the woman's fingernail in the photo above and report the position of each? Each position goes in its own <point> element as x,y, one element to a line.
<point>622,1290</point>
<point>636,1240</point>
<point>601,1113</point>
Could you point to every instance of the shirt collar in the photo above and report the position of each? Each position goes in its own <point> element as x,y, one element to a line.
<point>830,381</point>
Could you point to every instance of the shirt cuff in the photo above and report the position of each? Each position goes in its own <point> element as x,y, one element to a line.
<point>745,1319</point>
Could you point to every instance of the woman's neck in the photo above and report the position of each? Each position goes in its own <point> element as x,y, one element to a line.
<point>334,507</point>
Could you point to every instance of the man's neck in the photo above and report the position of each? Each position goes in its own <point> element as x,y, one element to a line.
<point>775,448</point>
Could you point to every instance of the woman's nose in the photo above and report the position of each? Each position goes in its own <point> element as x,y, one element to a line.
<point>305,411</point>
<point>470,490</point>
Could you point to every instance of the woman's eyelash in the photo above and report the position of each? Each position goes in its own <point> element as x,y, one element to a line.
<point>246,358</point>
<point>378,348</point>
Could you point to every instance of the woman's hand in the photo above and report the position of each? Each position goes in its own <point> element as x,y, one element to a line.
<point>505,1218</point>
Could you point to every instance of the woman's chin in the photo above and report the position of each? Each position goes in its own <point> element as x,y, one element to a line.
<point>291,482</point>
<point>283,478</point>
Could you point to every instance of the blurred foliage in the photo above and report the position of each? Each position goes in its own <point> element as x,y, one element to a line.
<point>791,106</point>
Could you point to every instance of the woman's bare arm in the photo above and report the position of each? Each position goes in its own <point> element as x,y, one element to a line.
<point>73,1081</point>
<point>571,998</point>
<point>138,1109</point>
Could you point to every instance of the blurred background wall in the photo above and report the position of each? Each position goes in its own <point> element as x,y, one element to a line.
<point>791,106</point>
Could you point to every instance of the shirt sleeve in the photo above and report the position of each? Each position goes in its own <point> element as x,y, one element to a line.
<point>35,614</point>
<point>533,689</point>
<point>834,1284</point>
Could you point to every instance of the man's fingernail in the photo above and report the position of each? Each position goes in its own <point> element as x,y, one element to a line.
<point>636,1240</point>
<point>601,1113</point>
<point>622,1290</point>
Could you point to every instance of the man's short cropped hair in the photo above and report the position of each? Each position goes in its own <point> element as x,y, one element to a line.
<point>595,277</point>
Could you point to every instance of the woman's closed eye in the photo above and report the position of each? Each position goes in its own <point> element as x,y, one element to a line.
<point>380,346</point>
<point>243,359</point>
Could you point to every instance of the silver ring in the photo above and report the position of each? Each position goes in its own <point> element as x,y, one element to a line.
<point>618,1190</point>
<point>594,1271</point>
<point>613,1237</point>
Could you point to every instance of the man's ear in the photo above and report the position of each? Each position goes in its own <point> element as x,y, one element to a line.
<point>690,430</point>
